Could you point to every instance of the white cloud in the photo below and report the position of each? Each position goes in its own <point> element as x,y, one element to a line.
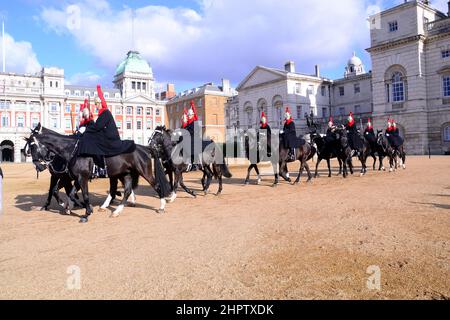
<point>20,57</point>
<point>226,38</point>
<point>84,78</point>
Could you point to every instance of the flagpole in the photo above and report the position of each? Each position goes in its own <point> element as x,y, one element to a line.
<point>3,45</point>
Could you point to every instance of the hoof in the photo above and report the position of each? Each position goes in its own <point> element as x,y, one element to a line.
<point>44,209</point>
<point>246,183</point>
<point>101,209</point>
<point>114,215</point>
<point>67,212</point>
<point>274,185</point>
<point>218,194</point>
<point>132,205</point>
<point>83,220</point>
<point>160,211</point>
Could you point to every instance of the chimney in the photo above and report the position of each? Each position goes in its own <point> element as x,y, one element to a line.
<point>317,71</point>
<point>289,66</point>
<point>226,85</point>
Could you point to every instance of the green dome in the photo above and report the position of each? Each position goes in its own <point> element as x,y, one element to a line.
<point>133,63</point>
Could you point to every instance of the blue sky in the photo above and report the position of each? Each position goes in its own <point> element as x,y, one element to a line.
<point>188,42</point>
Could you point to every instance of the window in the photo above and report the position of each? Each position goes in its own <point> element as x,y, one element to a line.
<point>324,112</point>
<point>77,108</point>
<point>447,86</point>
<point>119,125</point>
<point>398,88</point>
<point>323,91</point>
<point>310,89</point>
<point>118,110</point>
<point>445,54</point>
<point>342,111</point>
<point>129,110</point>
<point>133,85</point>
<point>67,92</point>
<point>139,111</point>
<point>157,112</point>
<point>56,84</point>
<point>129,125</point>
<point>54,106</point>
<point>357,109</point>
<point>341,91</point>
<point>34,121</point>
<point>77,93</point>
<point>54,123</point>
<point>149,124</point>
<point>106,95</point>
<point>139,86</point>
<point>144,86</point>
<point>357,88</point>
<point>447,133</point>
<point>5,120</point>
<point>87,94</point>
<point>139,125</point>
<point>298,88</point>
<point>68,108</point>
<point>68,124</point>
<point>51,84</point>
<point>393,26</point>
<point>299,112</point>
<point>20,121</point>
<point>149,111</point>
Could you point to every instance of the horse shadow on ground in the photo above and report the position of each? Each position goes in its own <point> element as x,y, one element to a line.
<point>30,203</point>
<point>436,205</point>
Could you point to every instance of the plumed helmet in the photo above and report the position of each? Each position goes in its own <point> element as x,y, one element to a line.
<point>97,100</point>
<point>190,113</point>
<point>85,113</point>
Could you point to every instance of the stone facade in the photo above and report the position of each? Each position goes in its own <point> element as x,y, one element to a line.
<point>209,101</point>
<point>409,81</point>
<point>26,100</point>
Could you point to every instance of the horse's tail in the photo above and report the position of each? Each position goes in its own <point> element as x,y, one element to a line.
<point>164,188</point>
<point>226,173</point>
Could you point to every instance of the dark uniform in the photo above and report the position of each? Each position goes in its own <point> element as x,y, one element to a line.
<point>290,138</point>
<point>102,137</point>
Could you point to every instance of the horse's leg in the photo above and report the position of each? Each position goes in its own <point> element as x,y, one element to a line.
<point>344,168</point>
<point>283,169</point>
<point>275,173</point>
<point>219,177</point>
<point>350,165</point>
<point>128,188</point>
<point>374,161</point>
<point>249,169</point>
<point>179,179</point>
<point>257,172</point>
<point>317,167</point>
<point>209,176</point>
<point>83,181</point>
<point>403,153</point>
<point>112,193</point>
<point>329,167</point>
<point>300,170</point>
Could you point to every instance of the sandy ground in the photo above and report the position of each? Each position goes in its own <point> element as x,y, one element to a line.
<point>312,241</point>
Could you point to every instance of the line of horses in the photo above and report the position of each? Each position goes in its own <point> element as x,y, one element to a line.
<point>161,163</point>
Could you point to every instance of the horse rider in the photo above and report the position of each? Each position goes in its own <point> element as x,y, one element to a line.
<point>290,136</point>
<point>330,137</point>
<point>394,135</point>
<point>87,118</point>
<point>101,139</point>
<point>192,118</point>
<point>353,134</point>
<point>265,128</point>
<point>369,133</point>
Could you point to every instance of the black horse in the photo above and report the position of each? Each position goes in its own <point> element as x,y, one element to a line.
<point>170,152</point>
<point>361,148</point>
<point>327,149</point>
<point>376,150</point>
<point>344,151</point>
<point>392,152</point>
<point>303,153</point>
<point>257,151</point>
<point>60,177</point>
<point>125,166</point>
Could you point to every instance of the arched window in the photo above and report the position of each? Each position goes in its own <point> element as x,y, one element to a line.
<point>447,133</point>
<point>248,109</point>
<point>398,87</point>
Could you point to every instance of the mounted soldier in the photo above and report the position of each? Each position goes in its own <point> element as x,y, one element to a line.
<point>265,129</point>
<point>289,134</point>
<point>369,134</point>
<point>354,138</point>
<point>101,139</point>
<point>87,118</point>
<point>192,118</point>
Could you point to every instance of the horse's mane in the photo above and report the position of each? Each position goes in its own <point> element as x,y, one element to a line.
<point>45,130</point>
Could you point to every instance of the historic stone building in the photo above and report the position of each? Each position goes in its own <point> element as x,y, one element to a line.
<point>409,81</point>
<point>26,100</point>
<point>209,100</point>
